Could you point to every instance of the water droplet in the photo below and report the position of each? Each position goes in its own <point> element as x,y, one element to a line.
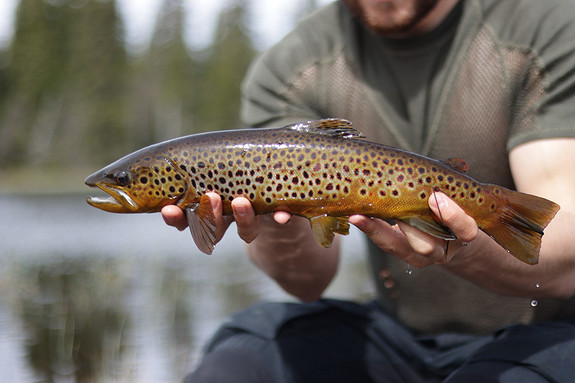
<point>408,271</point>
<point>534,303</point>
<point>537,285</point>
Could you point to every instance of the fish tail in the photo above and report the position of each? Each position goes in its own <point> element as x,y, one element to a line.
<point>520,222</point>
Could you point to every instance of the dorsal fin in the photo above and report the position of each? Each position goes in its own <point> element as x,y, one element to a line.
<point>333,127</point>
<point>457,164</point>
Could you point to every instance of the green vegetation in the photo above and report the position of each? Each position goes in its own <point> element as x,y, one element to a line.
<point>72,97</point>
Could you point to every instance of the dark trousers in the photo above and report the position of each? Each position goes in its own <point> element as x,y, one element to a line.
<point>336,341</point>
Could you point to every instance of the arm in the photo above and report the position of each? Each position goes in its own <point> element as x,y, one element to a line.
<point>290,255</point>
<point>280,245</point>
<point>541,168</point>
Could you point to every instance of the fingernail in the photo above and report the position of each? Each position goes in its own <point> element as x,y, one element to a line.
<point>240,211</point>
<point>357,222</point>
<point>441,199</point>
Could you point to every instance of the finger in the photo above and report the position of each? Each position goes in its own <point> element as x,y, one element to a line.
<point>174,216</point>
<point>245,218</point>
<point>462,225</point>
<point>426,249</point>
<point>282,217</point>
<point>387,237</point>
<point>222,223</point>
<point>391,239</point>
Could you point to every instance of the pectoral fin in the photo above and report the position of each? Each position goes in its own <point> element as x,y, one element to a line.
<point>428,225</point>
<point>202,224</point>
<point>324,227</point>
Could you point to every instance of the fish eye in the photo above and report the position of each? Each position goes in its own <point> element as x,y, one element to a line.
<point>122,178</point>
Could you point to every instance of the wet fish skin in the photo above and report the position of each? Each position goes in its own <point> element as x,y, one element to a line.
<point>320,170</point>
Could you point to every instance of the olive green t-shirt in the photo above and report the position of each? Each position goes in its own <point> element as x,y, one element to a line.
<point>495,74</point>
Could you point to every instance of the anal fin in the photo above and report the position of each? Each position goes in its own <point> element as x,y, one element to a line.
<point>202,223</point>
<point>430,226</point>
<point>324,227</point>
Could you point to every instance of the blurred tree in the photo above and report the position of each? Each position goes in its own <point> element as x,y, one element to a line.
<point>94,123</point>
<point>63,84</point>
<point>223,72</point>
<point>70,95</point>
<point>33,75</point>
<point>165,80</point>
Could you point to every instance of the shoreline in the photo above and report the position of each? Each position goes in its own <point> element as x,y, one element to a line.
<point>29,181</point>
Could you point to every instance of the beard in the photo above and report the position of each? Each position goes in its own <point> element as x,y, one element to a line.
<point>392,16</point>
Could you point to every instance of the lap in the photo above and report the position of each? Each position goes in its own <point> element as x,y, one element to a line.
<point>335,341</point>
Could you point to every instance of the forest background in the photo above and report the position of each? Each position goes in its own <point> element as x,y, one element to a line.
<point>74,97</point>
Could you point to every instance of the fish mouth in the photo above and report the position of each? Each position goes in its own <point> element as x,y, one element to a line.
<point>118,201</point>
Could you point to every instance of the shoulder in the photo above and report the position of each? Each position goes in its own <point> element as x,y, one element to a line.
<point>530,23</point>
<point>316,38</point>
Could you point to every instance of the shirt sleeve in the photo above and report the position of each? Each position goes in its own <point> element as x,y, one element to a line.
<point>545,103</point>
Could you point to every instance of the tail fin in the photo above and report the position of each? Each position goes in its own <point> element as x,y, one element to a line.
<point>520,223</point>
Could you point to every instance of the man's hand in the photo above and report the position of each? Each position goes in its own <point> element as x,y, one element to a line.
<point>243,214</point>
<point>416,247</point>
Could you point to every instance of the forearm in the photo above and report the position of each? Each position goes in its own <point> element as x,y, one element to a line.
<point>488,265</point>
<point>289,254</point>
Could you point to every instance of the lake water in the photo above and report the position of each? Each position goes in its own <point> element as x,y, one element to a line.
<point>89,296</point>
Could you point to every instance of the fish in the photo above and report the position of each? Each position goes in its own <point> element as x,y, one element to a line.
<point>323,170</point>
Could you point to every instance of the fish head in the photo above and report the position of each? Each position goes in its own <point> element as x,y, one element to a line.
<point>137,184</point>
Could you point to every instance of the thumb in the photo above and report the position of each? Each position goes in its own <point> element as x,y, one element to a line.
<point>453,216</point>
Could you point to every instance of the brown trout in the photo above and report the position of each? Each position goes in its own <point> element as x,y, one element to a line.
<point>322,170</point>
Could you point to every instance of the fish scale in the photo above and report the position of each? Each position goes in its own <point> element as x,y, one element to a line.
<point>322,170</point>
